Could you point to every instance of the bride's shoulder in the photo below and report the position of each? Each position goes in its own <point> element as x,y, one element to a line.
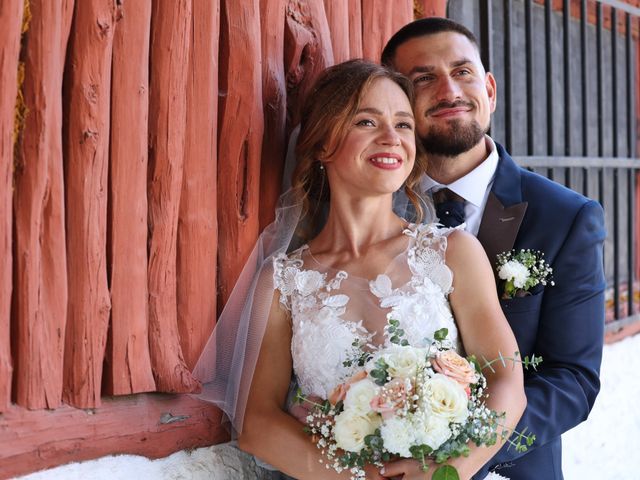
<point>431,234</point>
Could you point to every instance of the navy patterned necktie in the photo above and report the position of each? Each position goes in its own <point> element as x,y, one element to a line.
<point>449,207</point>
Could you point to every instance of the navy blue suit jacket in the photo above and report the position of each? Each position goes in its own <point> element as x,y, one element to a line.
<point>563,323</point>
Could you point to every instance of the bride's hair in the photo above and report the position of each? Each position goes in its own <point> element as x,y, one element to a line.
<point>326,115</point>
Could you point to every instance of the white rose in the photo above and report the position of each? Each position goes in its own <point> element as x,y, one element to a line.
<point>359,396</point>
<point>351,428</point>
<point>403,361</point>
<point>447,398</point>
<point>398,435</point>
<point>308,281</point>
<point>431,430</point>
<point>515,271</point>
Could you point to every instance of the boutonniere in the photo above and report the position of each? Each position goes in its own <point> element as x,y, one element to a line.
<point>521,271</point>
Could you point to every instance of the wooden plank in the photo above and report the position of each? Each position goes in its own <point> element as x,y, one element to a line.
<point>337,14</point>
<point>127,360</point>
<point>240,134</point>
<point>307,51</point>
<point>355,28</point>
<point>10,29</point>
<point>274,100</point>
<point>86,175</point>
<point>153,425</point>
<point>432,8</point>
<point>377,27</point>
<point>170,39</point>
<point>40,303</point>
<point>402,14</point>
<point>198,224</point>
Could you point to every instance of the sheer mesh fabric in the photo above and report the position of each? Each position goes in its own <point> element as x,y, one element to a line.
<point>229,358</point>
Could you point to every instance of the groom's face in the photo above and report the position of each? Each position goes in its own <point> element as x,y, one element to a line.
<point>454,95</point>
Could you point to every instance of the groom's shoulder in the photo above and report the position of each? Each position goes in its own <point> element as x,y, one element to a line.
<point>542,192</point>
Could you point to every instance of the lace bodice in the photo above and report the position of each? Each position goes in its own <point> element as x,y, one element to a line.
<point>332,312</point>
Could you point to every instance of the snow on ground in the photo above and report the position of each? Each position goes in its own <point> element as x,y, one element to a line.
<point>601,448</point>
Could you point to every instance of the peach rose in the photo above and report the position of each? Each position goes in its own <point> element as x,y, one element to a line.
<point>455,367</point>
<point>392,397</point>
<point>340,392</point>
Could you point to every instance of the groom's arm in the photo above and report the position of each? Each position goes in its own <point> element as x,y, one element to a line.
<point>561,393</point>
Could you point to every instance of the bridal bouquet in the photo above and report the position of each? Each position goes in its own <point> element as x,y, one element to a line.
<point>406,402</point>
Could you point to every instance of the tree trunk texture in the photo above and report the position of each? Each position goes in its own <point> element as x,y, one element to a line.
<point>274,100</point>
<point>170,38</point>
<point>128,361</point>
<point>198,224</point>
<point>355,29</point>
<point>40,305</point>
<point>153,425</point>
<point>337,14</point>
<point>10,28</point>
<point>307,51</point>
<point>239,138</point>
<point>86,176</point>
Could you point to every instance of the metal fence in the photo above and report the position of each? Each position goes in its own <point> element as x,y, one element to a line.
<point>568,110</point>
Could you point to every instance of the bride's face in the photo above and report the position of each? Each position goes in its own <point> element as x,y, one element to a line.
<point>378,152</point>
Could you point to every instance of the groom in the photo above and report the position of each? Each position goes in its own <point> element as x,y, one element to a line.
<point>508,207</point>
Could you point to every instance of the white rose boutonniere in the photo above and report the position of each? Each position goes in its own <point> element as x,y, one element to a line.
<point>521,271</point>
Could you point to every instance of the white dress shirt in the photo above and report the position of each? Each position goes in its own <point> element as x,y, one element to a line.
<point>474,187</point>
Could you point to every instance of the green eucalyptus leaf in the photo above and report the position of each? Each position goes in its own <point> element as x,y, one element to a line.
<point>445,472</point>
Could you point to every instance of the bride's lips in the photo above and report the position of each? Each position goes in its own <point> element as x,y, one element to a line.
<point>386,161</point>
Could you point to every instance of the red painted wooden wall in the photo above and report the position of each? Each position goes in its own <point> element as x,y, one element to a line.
<point>147,159</point>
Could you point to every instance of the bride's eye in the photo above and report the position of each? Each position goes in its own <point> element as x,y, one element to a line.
<point>406,125</point>
<point>366,123</point>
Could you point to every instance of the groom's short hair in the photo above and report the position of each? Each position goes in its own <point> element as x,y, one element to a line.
<point>420,28</point>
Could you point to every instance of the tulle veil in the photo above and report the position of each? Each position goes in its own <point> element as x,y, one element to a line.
<point>229,358</point>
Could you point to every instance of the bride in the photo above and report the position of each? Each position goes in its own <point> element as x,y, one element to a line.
<point>298,312</point>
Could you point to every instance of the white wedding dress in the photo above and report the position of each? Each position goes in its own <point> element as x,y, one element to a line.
<point>332,311</point>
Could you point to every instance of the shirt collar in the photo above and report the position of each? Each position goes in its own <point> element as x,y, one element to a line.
<point>473,186</point>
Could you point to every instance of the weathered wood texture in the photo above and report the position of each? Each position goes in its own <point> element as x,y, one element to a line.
<point>127,360</point>
<point>338,19</point>
<point>380,20</point>
<point>198,223</point>
<point>239,138</point>
<point>307,51</point>
<point>355,29</point>
<point>10,29</point>
<point>86,155</point>
<point>170,46</point>
<point>274,101</point>
<point>153,425</point>
<point>431,8</point>
<point>41,270</point>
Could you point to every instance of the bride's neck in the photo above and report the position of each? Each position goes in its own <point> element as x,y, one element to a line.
<point>353,225</point>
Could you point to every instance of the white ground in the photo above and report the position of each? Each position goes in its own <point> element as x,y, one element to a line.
<point>603,447</point>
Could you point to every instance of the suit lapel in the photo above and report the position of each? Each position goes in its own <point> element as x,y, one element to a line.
<point>499,226</point>
<point>505,209</point>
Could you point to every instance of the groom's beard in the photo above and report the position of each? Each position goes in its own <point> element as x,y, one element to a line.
<point>454,139</point>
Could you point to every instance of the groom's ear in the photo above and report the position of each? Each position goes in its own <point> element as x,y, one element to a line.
<point>492,90</point>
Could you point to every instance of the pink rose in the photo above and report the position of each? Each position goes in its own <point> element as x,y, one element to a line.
<point>392,397</point>
<point>455,367</point>
<point>338,393</point>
